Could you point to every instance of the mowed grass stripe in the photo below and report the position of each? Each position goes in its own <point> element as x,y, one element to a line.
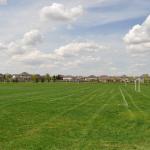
<point>39,96</point>
<point>141,101</point>
<point>107,136</point>
<point>133,102</point>
<point>74,109</point>
<point>113,99</point>
<point>32,100</point>
<point>125,103</point>
<point>90,123</point>
<point>61,113</point>
<point>82,101</point>
<point>50,88</point>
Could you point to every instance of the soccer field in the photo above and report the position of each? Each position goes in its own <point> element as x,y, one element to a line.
<point>72,116</point>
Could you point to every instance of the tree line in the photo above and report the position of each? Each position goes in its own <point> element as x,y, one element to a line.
<point>46,78</point>
<point>30,78</point>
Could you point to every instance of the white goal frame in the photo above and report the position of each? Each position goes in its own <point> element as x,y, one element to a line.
<point>137,84</point>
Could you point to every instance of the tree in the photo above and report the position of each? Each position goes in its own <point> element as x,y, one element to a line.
<point>47,77</point>
<point>59,77</point>
<point>35,78</point>
<point>54,78</point>
<point>42,79</point>
<point>7,77</point>
<point>146,78</point>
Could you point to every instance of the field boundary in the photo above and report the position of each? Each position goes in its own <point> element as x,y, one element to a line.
<point>133,102</point>
<point>123,98</point>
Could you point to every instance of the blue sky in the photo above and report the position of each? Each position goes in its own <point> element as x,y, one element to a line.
<point>75,37</point>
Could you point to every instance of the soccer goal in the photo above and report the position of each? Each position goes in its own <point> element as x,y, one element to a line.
<point>137,83</point>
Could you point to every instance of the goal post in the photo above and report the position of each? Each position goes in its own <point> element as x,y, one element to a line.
<point>137,85</point>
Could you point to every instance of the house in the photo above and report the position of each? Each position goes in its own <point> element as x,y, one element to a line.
<point>145,78</point>
<point>103,79</point>
<point>141,79</point>
<point>79,79</point>
<point>124,79</point>
<point>1,77</point>
<point>68,78</point>
<point>23,77</point>
<point>91,78</point>
<point>108,79</point>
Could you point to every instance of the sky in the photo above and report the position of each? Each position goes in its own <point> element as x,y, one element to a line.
<point>75,37</point>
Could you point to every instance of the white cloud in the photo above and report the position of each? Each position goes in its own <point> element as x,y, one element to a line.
<point>20,47</point>
<point>3,2</point>
<point>58,12</point>
<point>31,38</point>
<point>2,46</point>
<point>79,55</point>
<point>15,48</point>
<point>138,38</point>
<point>72,55</point>
<point>88,3</point>
<point>77,48</point>
<point>138,46</point>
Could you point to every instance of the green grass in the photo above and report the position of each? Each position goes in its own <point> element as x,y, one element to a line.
<point>71,116</point>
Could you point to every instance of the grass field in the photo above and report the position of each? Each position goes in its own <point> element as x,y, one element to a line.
<point>71,116</point>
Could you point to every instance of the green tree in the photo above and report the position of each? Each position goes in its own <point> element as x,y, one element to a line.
<point>47,77</point>
<point>146,78</point>
<point>54,78</point>
<point>7,77</point>
<point>42,79</point>
<point>35,78</point>
<point>59,77</point>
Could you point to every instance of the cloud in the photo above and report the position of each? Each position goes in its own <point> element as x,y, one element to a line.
<point>32,38</point>
<point>138,38</point>
<point>88,3</point>
<point>58,12</point>
<point>77,48</point>
<point>79,55</point>
<point>87,56</point>
<point>3,46</point>
<point>3,2</point>
<point>24,45</point>
<point>137,41</point>
<point>72,55</point>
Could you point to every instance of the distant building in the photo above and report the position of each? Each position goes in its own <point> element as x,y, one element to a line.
<point>23,77</point>
<point>108,79</point>
<point>145,78</point>
<point>141,79</point>
<point>1,77</point>
<point>79,79</point>
<point>124,79</point>
<point>68,78</point>
<point>91,78</point>
<point>73,78</point>
<point>26,77</point>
